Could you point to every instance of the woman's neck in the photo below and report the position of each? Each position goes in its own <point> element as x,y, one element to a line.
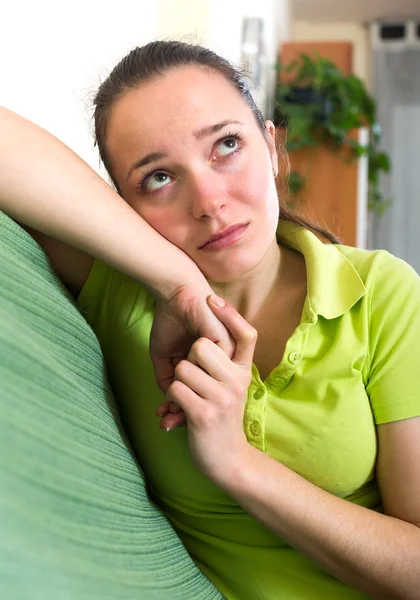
<point>278,274</point>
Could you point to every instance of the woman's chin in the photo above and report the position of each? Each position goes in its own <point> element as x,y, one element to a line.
<point>226,273</point>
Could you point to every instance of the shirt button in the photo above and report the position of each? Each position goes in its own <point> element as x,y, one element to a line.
<point>255,428</point>
<point>294,357</point>
<point>279,380</point>
<point>259,393</point>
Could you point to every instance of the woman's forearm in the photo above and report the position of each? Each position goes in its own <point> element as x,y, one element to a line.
<point>374,553</point>
<point>46,186</point>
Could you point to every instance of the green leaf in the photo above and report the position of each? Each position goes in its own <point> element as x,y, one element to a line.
<point>383,162</point>
<point>351,106</point>
<point>296,182</point>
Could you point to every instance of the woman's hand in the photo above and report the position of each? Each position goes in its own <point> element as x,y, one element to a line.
<point>177,324</point>
<point>211,389</point>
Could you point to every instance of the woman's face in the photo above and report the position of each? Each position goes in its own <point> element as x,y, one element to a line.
<point>188,156</point>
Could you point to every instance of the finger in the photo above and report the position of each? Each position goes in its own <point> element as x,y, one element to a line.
<point>163,409</point>
<point>164,371</point>
<point>209,357</point>
<point>167,407</point>
<point>217,333</point>
<point>227,344</point>
<point>171,421</point>
<point>190,402</point>
<point>242,332</point>
<point>196,379</point>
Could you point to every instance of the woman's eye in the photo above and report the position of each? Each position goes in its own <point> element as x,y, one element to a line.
<point>156,181</point>
<point>228,146</point>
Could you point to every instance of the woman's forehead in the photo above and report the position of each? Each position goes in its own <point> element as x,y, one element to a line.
<point>184,97</point>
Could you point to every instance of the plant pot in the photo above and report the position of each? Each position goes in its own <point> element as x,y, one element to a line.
<point>306,96</point>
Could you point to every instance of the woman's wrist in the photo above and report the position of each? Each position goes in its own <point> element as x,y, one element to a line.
<point>234,475</point>
<point>173,272</point>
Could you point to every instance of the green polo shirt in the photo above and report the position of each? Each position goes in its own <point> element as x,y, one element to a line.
<point>352,363</point>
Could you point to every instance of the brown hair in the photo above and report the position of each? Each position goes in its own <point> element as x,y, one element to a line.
<point>143,64</point>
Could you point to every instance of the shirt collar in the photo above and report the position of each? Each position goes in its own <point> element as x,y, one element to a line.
<point>334,285</point>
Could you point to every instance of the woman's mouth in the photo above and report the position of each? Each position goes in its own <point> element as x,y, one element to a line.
<point>226,238</point>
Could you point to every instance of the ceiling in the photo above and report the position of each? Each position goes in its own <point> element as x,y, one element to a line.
<point>361,11</point>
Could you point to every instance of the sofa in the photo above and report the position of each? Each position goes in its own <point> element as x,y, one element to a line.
<point>75,518</point>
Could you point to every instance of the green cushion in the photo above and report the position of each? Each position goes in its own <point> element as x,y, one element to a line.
<point>75,519</point>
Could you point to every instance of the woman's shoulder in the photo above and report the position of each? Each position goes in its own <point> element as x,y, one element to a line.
<point>381,268</point>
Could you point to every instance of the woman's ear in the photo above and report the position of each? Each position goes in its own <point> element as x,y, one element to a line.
<point>271,140</point>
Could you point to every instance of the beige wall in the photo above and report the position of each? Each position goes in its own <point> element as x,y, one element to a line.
<point>185,20</point>
<point>353,32</point>
<point>217,24</point>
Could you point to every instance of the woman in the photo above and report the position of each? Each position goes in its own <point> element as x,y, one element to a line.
<point>297,475</point>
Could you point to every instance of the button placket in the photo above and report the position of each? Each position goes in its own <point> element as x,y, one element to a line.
<point>259,393</point>
<point>255,428</point>
<point>254,415</point>
<point>294,357</point>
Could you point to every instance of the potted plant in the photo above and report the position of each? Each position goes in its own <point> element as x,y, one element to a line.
<point>319,105</point>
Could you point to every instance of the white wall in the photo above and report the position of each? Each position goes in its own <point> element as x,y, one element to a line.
<point>54,52</point>
<point>351,32</point>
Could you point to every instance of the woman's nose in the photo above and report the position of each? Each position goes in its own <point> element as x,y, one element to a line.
<point>207,197</point>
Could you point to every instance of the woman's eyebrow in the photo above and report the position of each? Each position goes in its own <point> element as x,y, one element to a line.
<point>152,157</point>
<point>200,134</point>
<point>211,129</point>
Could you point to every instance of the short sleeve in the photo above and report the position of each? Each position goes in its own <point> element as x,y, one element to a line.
<point>110,301</point>
<point>394,341</point>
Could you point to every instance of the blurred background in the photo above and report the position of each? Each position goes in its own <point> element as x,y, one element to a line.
<point>341,79</point>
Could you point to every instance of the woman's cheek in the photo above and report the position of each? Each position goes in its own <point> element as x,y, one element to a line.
<point>170,227</point>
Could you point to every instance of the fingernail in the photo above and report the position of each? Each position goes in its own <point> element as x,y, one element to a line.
<point>217,301</point>
<point>168,429</point>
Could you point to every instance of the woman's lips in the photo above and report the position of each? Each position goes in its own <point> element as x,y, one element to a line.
<point>230,238</point>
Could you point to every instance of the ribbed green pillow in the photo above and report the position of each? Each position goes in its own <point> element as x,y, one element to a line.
<point>75,519</point>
